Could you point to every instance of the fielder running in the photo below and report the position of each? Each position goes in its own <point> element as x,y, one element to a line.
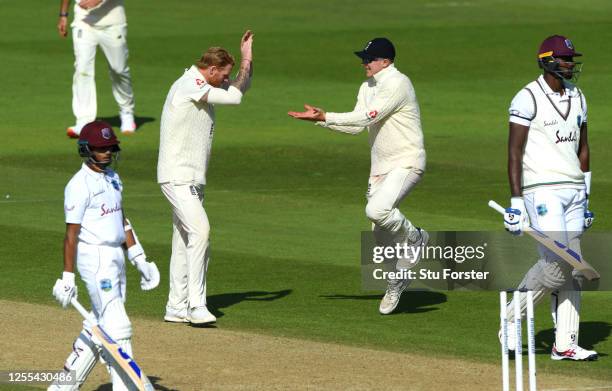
<point>187,126</point>
<point>98,22</point>
<point>550,181</point>
<point>387,107</point>
<point>97,232</point>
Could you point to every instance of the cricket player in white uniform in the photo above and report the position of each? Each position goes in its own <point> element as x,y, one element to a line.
<point>550,181</point>
<point>186,135</point>
<point>97,232</point>
<point>387,107</point>
<point>103,23</point>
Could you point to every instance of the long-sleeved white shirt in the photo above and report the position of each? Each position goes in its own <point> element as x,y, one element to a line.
<point>108,13</point>
<point>388,108</point>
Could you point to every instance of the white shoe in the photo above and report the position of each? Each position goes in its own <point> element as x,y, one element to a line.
<point>575,353</point>
<point>511,336</point>
<point>392,296</point>
<point>176,316</point>
<point>128,124</point>
<point>201,315</point>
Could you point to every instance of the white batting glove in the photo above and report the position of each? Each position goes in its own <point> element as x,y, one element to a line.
<point>65,289</point>
<point>515,217</point>
<point>149,273</point>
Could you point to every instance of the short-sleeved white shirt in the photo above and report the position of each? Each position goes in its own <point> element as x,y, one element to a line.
<point>186,132</point>
<point>522,109</point>
<point>93,200</point>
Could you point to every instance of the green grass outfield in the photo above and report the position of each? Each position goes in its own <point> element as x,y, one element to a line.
<point>285,198</point>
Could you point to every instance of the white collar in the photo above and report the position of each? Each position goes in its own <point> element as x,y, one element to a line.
<point>383,74</point>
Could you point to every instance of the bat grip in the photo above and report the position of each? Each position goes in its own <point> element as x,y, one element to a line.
<point>75,303</point>
<point>497,207</point>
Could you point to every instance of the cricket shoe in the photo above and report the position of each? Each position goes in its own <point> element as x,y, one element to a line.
<point>176,316</point>
<point>128,124</point>
<point>201,315</point>
<point>392,296</point>
<point>415,253</point>
<point>575,353</point>
<point>74,131</point>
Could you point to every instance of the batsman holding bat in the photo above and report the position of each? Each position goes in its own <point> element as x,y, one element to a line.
<point>550,182</point>
<point>97,232</point>
<point>387,107</point>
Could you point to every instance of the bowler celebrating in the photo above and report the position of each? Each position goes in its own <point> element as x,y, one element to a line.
<point>187,126</point>
<point>387,107</point>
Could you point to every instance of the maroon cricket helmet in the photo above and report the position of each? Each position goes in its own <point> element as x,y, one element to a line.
<point>557,46</point>
<point>98,134</point>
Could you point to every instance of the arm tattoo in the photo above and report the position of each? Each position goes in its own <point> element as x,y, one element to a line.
<point>242,78</point>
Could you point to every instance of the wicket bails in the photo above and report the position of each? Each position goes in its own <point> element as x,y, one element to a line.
<point>518,348</point>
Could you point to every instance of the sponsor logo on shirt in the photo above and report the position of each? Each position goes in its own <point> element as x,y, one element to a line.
<point>550,123</point>
<point>106,285</point>
<point>573,136</point>
<point>68,208</point>
<point>372,114</point>
<point>107,211</point>
<point>200,82</point>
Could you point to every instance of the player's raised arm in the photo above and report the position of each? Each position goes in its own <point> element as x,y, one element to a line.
<point>243,78</point>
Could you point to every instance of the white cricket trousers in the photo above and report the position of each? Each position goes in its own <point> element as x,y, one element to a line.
<point>112,40</point>
<point>385,192</point>
<point>190,240</point>
<point>560,214</point>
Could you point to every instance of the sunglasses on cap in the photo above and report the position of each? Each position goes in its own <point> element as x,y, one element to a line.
<point>367,60</point>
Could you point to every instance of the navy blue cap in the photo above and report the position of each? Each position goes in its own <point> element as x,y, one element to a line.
<point>377,48</point>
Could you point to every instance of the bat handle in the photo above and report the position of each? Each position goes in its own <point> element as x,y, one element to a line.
<point>75,303</point>
<point>497,207</point>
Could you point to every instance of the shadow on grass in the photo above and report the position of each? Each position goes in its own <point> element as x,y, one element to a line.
<point>411,302</point>
<point>591,333</point>
<point>224,300</point>
<point>116,121</point>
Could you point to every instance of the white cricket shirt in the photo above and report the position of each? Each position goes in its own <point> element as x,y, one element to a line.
<point>387,106</point>
<point>554,120</point>
<point>93,199</point>
<point>110,12</point>
<point>186,134</point>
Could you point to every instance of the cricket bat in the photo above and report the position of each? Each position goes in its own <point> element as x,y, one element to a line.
<point>133,377</point>
<point>565,253</point>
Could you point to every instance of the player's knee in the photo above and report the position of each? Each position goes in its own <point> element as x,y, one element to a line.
<point>376,213</point>
<point>115,321</point>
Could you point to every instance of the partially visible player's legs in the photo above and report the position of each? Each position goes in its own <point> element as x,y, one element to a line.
<point>114,45</point>
<point>176,308</point>
<point>546,213</point>
<point>186,201</point>
<point>566,302</point>
<point>81,360</point>
<point>84,105</point>
<point>384,195</point>
<point>103,272</point>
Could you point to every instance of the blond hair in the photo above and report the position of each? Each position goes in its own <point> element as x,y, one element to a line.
<point>216,56</point>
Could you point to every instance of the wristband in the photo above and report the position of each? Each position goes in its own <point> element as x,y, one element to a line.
<point>68,276</point>
<point>134,251</point>
<point>587,182</point>
<point>63,14</point>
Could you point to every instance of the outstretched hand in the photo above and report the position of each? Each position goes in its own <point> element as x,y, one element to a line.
<point>310,114</point>
<point>246,46</point>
